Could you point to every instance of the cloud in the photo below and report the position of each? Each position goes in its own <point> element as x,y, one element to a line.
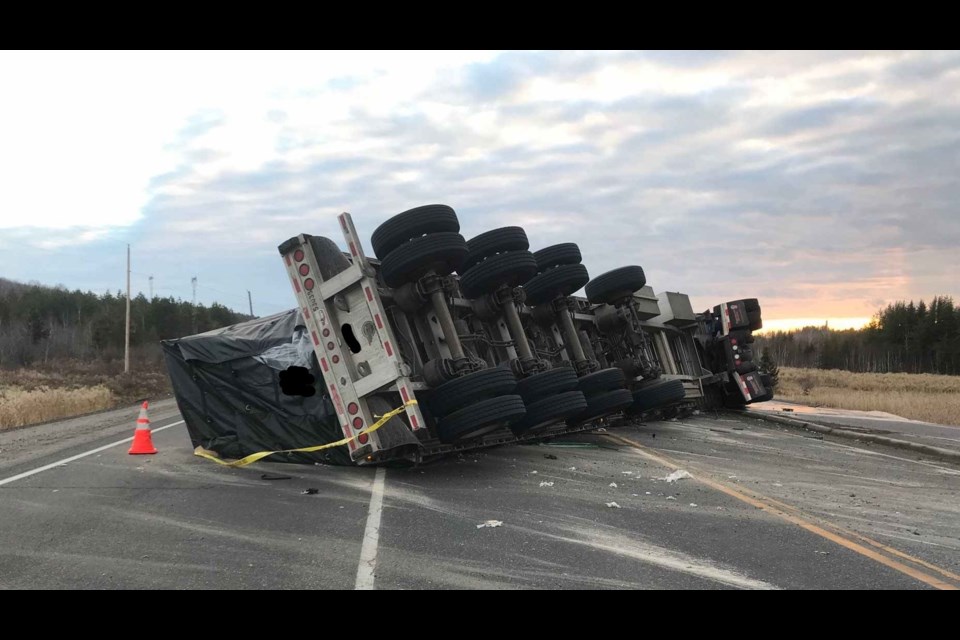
<point>821,182</point>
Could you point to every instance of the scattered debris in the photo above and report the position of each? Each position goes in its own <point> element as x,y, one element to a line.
<point>573,468</point>
<point>787,409</point>
<point>670,498</point>
<point>613,505</point>
<point>533,473</point>
<point>693,504</point>
<point>635,495</point>
<point>613,484</point>
<point>549,456</point>
<point>546,484</point>
<point>490,523</point>
<point>601,430</point>
<point>731,477</point>
<point>627,473</point>
<point>55,490</point>
<point>777,484</point>
<point>274,476</point>
<point>310,492</point>
<point>679,474</point>
<point>646,492</point>
<point>823,553</point>
<point>853,495</point>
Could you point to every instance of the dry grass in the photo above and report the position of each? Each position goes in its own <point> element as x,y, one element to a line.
<point>28,396</point>
<point>19,407</point>
<point>920,396</point>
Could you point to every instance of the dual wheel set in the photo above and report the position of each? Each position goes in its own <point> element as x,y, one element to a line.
<point>419,248</point>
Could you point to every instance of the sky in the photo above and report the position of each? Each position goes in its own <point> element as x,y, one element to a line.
<point>823,183</point>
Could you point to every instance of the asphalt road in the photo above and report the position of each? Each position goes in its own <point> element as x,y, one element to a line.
<point>768,507</point>
<point>875,422</point>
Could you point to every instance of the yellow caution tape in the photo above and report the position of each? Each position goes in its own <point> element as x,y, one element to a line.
<point>253,457</point>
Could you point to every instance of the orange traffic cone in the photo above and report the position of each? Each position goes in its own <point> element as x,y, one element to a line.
<point>142,443</point>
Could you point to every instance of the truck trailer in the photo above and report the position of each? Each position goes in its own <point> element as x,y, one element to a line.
<point>482,342</point>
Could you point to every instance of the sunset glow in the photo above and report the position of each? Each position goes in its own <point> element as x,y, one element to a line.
<point>789,324</point>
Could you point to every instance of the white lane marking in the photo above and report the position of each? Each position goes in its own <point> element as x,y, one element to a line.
<point>27,474</point>
<point>371,535</point>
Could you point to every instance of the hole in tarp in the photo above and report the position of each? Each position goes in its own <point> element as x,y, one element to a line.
<point>350,339</point>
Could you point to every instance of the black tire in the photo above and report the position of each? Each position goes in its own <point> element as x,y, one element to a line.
<point>746,367</point>
<point>602,381</point>
<point>756,322</point>
<point>480,418</point>
<point>603,404</point>
<point>751,304</point>
<point>615,285</point>
<point>495,241</point>
<point>558,254</point>
<point>559,281</point>
<point>746,353</point>
<point>457,393</point>
<point>413,223</point>
<point>512,268</point>
<point>442,253</point>
<point>766,380</point>
<point>657,394</point>
<point>546,384</point>
<point>742,337</point>
<point>555,408</point>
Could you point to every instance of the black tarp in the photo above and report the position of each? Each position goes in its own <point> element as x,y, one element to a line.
<point>227,387</point>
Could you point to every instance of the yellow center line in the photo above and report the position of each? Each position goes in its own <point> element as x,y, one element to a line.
<point>792,515</point>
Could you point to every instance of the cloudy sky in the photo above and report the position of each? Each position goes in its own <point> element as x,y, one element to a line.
<point>825,184</point>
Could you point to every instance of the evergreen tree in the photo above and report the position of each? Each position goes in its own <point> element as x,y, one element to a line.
<point>769,366</point>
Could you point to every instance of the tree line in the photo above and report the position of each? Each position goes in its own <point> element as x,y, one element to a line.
<point>41,324</point>
<point>902,337</point>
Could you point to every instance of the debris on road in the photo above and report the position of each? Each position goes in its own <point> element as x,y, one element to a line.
<point>627,473</point>
<point>693,504</point>
<point>613,484</point>
<point>670,498</point>
<point>549,456</point>
<point>274,476</point>
<point>533,473</point>
<point>310,492</point>
<point>679,474</point>
<point>490,523</point>
<point>546,484</point>
<point>613,505</point>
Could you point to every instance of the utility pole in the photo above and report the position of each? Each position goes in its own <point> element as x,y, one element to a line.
<point>126,337</point>
<point>193,282</point>
<point>250,300</point>
<point>151,288</point>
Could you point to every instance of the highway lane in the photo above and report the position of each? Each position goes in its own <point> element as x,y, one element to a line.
<point>111,520</point>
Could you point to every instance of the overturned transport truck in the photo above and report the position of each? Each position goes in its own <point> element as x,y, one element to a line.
<point>481,342</point>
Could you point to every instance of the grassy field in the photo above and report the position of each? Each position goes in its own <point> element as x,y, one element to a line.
<point>29,396</point>
<point>920,396</point>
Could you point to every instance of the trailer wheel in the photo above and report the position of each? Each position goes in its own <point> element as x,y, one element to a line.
<point>459,392</point>
<point>559,281</point>
<point>746,353</point>
<point>615,285</point>
<point>548,383</point>
<point>603,404</point>
<point>657,394</point>
<point>493,242</point>
<point>768,385</point>
<point>542,413</point>
<point>742,337</point>
<point>755,321</point>
<point>480,418</point>
<point>413,223</point>
<point>558,254</point>
<point>601,381</point>
<point>442,253</point>
<point>751,304</point>
<point>512,268</point>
